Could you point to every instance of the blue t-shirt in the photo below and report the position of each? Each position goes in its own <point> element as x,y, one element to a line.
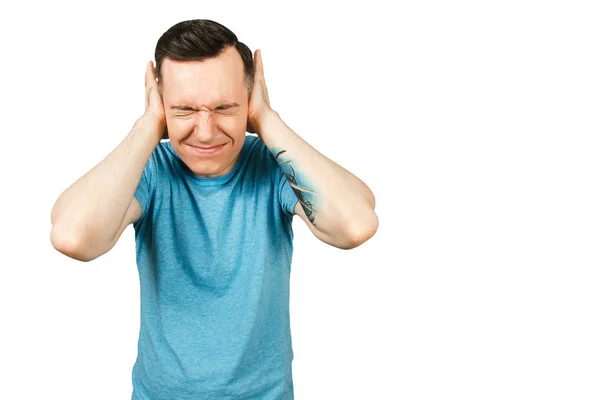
<point>214,258</point>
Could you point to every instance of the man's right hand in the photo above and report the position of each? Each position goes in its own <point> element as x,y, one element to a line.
<point>155,111</point>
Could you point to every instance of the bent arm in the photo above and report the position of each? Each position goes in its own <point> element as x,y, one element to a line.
<point>337,206</point>
<point>89,214</point>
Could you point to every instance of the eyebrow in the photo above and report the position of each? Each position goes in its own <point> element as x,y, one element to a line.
<point>219,107</point>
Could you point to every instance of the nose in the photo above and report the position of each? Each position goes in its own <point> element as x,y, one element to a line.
<point>204,127</point>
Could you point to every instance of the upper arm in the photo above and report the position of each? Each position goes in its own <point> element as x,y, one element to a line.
<point>340,243</point>
<point>133,213</point>
<point>95,249</point>
<point>299,211</point>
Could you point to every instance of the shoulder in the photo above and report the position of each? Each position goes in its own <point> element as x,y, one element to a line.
<point>258,154</point>
<point>254,146</point>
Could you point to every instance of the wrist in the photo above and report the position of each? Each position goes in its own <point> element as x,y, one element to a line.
<point>264,119</point>
<point>153,125</point>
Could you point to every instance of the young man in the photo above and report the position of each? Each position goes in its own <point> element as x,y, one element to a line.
<point>212,210</point>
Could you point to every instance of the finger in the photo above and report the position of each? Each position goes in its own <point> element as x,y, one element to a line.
<point>147,76</point>
<point>258,65</point>
<point>152,74</point>
<point>260,76</point>
<point>147,84</point>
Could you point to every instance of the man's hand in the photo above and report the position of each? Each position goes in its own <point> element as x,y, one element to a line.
<point>155,111</point>
<point>258,104</point>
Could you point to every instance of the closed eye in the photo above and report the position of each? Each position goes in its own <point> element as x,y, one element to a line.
<point>221,107</point>
<point>225,107</point>
<point>229,109</point>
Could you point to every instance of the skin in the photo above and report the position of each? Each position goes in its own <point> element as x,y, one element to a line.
<point>340,207</point>
<point>197,98</point>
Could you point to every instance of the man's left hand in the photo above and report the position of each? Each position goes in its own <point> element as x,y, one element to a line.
<point>258,104</point>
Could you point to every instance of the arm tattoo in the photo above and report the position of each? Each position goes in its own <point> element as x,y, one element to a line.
<point>302,193</point>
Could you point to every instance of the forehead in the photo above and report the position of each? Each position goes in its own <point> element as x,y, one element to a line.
<point>203,83</point>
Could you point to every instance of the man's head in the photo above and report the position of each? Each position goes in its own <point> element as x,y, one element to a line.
<point>205,79</point>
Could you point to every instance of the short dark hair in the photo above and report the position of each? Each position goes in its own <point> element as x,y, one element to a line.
<point>197,40</point>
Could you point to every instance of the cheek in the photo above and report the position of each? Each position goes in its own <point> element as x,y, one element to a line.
<point>231,122</point>
<point>180,124</point>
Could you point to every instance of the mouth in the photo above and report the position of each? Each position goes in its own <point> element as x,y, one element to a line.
<point>204,151</point>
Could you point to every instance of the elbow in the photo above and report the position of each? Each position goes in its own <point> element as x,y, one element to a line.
<point>69,245</point>
<point>362,231</point>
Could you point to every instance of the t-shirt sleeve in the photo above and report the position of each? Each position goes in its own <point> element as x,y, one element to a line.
<point>145,187</point>
<point>287,197</point>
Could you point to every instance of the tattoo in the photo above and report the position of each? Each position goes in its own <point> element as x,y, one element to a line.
<point>301,193</point>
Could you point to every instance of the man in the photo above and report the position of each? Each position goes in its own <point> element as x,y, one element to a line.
<point>212,210</point>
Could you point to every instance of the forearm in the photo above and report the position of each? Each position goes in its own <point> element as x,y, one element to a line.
<point>335,201</point>
<point>92,208</point>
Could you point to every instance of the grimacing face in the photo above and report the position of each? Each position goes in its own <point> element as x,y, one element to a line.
<point>206,105</point>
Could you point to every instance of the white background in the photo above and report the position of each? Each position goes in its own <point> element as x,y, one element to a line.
<point>474,123</point>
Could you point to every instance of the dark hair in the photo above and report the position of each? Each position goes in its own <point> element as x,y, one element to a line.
<point>197,40</point>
